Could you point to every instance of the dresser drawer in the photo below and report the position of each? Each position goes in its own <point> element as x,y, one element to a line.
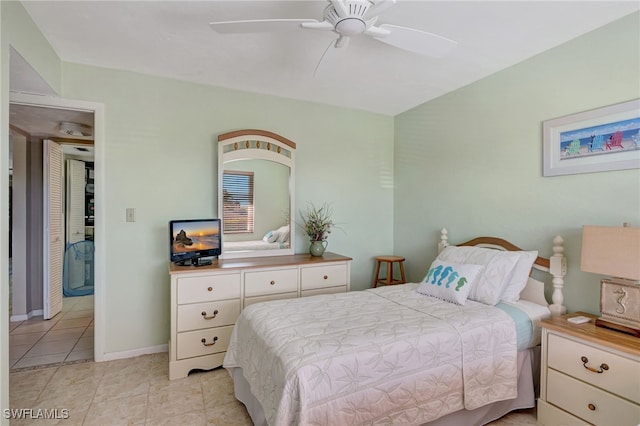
<point>190,343</point>
<point>270,282</point>
<point>204,288</point>
<point>257,299</point>
<point>210,314</point>
<point>621,377</point>
<point>550,415</point>
<point>328,290</point>
<point>590,403</point>
<point>323,276</point>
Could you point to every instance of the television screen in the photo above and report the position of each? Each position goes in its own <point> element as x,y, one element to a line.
<point>194,239</point>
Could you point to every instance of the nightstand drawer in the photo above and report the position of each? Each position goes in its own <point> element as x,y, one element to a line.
<point>613,373</point>
<point>203,288</point>
<point>270,282</point>
<point>590,403</point>
<point>191,343</point>
<point>323,276</point>
<point>209,314</point>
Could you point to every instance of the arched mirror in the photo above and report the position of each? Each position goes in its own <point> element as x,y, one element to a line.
<point>256,181</point>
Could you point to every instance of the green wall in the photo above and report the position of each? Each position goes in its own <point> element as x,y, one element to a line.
<point>160,157</point>
<point>471,160</point>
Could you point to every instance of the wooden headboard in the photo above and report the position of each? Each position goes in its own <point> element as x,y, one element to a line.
<point>556,266</point>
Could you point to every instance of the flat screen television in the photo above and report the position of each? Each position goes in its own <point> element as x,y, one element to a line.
<point>195,241</point>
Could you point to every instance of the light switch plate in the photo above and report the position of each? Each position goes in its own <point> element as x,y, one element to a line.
<point>131,214</point>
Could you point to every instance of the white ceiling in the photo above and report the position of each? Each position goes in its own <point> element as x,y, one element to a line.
<point>173,39</point>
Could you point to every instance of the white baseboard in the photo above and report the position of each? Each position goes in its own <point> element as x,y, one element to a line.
<point>24,317</point>
<point>18,318</point>
<point>135,352</point>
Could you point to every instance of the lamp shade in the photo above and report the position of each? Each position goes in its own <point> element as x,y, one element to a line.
<point>613,251</point>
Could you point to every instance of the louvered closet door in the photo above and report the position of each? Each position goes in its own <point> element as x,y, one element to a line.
<point>75,200</point>
<point>53,228</point>
<point>75,219</point>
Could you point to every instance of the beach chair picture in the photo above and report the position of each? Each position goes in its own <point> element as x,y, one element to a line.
<point>574,147</point>
<point>615,141</point>
<point>596,140</point>
<point>636,139</point>
<point>597,144</point>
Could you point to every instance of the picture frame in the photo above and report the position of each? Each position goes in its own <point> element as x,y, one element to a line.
<point>598,140</point>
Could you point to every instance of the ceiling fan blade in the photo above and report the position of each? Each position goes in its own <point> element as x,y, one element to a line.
<point>331,55</point>
<point>340,8</point>
<point>324,25</point>
<point>416,41</point>
<point>379,6</point>
<point>258,25</point>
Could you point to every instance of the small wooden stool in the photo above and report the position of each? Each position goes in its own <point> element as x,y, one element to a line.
<point>389,280</point>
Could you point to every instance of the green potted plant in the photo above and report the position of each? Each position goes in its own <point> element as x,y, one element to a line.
<point>317,224</point>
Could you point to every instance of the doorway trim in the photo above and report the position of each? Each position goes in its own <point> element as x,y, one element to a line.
<point>100,233</point>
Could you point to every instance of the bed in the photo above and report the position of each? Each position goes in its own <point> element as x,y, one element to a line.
<point>254,245</point>
<point>395,355</point>
<point>276,239</point>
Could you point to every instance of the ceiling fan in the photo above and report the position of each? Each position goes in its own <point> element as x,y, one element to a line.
<point>348,18</point>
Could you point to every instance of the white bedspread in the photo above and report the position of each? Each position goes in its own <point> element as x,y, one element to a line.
<point>381,356</point>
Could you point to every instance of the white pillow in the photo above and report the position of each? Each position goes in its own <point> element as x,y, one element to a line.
<point>270,237</point>
<point>283,234</point>
<point>449,281</point>
<point>499,266</point>
<point>511,292</point>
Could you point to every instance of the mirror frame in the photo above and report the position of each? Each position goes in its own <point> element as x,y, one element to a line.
<point>243,150</point>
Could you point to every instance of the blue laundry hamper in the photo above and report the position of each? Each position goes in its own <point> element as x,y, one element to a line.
<point>77,272</point>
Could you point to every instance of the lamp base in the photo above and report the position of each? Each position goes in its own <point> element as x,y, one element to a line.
<point>620,305</point>
<point>618,327</point>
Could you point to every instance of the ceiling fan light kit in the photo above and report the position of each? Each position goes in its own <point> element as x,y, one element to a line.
<point>348,18</point>
<point>350,27</point>
<point>74,129</point>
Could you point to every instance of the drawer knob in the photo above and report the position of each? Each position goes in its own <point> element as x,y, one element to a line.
<point>204,341</point>
<point>272,282</point>
<point>210,289</point>
<point>204,315</point>
<point>591,407</point>
<point>602,369</point>
<point>326,277</point>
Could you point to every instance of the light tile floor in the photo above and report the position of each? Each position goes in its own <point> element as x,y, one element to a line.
<point>137,391</point>
<point>66,337</point>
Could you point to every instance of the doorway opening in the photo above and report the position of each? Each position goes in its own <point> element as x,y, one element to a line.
<point>71,334</point>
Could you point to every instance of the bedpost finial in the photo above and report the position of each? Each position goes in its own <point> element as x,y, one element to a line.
<point>444,240</point>
<point>558,244</point>
<point>558,268</point>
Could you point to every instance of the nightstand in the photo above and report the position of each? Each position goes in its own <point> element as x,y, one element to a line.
<point>589,374</point>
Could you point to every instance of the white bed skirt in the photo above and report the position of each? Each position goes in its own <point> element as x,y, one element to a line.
<point>528,383</point>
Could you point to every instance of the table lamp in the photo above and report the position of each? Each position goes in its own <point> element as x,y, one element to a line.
<point>615,251</point>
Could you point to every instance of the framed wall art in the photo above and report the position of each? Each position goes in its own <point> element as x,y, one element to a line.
<point>598,140</point>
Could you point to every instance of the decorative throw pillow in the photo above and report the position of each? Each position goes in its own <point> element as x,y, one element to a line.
<point>270,237</point>
<point>498,269</point>
<point>449,281</point>
<point>283,234</point>
<point>511,292</point>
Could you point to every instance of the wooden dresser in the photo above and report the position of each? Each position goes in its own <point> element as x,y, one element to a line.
<point>206,300</point>
<point>590,375</point>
